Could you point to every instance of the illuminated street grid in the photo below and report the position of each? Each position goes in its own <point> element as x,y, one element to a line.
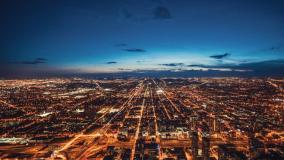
<point>167,118</point>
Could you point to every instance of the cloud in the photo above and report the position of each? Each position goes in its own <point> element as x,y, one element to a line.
<point>220,56</point>
<point>162,13</point>
<point>41,59</point>
<point>267,50</point>
<point>273,48</point>
<point>111,62</point>
<point>195,65</point>
<point>134,50</point>
<point>268,67</point>
<point>33,62</point>
<point>121,45</point>
<point>172,64</point>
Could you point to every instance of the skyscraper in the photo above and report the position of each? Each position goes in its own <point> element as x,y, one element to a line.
<point>194,146</point>
<point>205,146</point>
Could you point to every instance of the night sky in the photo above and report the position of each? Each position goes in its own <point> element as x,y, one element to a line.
<point>110,36</point>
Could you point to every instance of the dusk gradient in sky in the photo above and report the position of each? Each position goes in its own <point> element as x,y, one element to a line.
<point>106,36</point>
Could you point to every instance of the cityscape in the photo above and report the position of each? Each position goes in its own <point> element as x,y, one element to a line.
<point>141,80</point>
<point>146,118</point>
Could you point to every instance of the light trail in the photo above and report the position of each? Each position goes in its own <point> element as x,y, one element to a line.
<point>12,106</point>
<point>139,124</point>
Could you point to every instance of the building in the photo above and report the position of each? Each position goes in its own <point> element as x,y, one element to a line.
<point>206,147</point>
<point>229,152</point>
<point>194,147</point>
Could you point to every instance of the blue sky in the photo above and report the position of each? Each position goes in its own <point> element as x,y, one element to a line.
<point>114,36</point>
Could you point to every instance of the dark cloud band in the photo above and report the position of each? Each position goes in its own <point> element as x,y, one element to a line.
<point>111,62</point>
<point>134,50</point>
<point>220,56</point>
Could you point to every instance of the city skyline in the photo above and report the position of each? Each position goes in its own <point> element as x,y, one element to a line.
<point>142,79</point>
<point>71,37</point>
